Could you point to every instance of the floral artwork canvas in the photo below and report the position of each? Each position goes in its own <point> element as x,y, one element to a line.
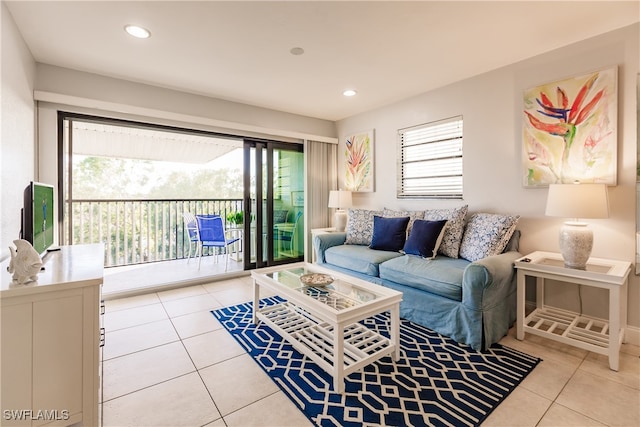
<point>358,158</point>
<point>570,130</point>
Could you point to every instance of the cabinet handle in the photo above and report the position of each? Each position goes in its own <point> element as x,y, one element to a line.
<point>102,307</point>
<point>103,337</point>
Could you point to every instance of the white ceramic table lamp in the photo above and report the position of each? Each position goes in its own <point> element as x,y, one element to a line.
<point>340,199</point>
<point>577,201</point>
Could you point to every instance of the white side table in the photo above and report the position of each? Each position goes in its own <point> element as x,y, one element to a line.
<point>315,232</point>
<point>596,335</point>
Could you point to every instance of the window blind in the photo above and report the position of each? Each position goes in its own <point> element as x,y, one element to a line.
<point>430,160</point>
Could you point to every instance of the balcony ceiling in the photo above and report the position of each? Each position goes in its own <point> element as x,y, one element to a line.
<point>102,140</point>
<point>240,50</point>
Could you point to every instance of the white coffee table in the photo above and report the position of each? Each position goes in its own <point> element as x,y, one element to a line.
<point>322,322</point>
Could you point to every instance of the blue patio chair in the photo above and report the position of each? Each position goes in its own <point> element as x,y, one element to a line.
<point>191,231</point>
<point>211,234</point>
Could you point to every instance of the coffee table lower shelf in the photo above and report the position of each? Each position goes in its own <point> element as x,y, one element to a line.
<point>316,340</point>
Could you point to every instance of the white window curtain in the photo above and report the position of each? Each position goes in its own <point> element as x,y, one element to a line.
<point>322,176</point>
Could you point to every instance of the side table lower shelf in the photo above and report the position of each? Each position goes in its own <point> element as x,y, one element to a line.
<point>570,328</point>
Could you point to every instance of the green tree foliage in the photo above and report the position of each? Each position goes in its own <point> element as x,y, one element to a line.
<point>110,178</point>
<point>202,184</point>
<point>141,231</point>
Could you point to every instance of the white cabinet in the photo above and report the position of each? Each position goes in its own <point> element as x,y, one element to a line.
<point>50,341</point>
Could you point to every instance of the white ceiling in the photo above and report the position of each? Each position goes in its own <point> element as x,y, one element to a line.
<point>239,50</point>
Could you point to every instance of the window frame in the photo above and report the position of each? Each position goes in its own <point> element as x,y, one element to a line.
<point>453,138</point>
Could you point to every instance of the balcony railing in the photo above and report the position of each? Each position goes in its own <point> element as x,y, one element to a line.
<point>138,231</point>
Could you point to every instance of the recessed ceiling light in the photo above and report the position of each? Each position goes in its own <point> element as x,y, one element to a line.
<point>136,31</point>
<point>349,92</point>
<point>296,51</point>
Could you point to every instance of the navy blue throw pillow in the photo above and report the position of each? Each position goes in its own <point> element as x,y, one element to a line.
<point>389,234</point>
<point>425,238</point>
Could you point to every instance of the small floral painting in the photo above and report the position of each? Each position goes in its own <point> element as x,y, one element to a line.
<point>358,157</point>
<point>570,130</point>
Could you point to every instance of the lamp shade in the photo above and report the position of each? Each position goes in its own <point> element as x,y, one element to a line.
<point>340,199</point>
<point>578,201</point>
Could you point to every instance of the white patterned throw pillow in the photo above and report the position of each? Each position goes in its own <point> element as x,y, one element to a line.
<point>360,226</point>
<point>486,235</point>
<point>450,245</point>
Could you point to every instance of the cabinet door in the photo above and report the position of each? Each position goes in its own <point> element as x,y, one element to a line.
<point>15,364</point>
<point>57,354</point>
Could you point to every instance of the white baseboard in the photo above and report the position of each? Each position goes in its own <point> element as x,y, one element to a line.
<point>172,285</point>
<point>632,335</point>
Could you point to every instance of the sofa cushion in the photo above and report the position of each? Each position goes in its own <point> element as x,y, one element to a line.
<point>486,235</point>
<point>360,226</point>
<point>441,276</point>
<point>425,238</point>
<point>413,215</point>
<point>358,258</point>
<point>450,245</point>
<point>389,234</point>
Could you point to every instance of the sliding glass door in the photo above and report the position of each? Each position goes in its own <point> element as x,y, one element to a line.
<point>128,185</point>
<point>274,200</point>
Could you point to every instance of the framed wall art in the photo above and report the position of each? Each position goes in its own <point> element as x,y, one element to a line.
<point>570,130</point>
<point>297,198</point>
<point>358,162</point>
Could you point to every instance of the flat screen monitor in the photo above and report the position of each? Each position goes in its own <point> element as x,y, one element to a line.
<point>38,216</point>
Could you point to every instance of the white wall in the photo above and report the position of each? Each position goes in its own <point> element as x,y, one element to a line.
<point>129,97</point>
<point>17,146</point>
<point>75,91</point>
<point>491,105</point>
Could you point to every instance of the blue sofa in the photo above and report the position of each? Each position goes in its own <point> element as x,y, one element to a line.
<point>472,302</point>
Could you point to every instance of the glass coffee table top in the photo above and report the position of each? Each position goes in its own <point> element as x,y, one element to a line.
<point>339,294</point>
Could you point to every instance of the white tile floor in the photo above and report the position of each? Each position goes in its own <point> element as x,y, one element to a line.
<point>150,277</point>
<point>168,362</point>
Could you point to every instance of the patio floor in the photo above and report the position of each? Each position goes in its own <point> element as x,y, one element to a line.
<point>163,275</point>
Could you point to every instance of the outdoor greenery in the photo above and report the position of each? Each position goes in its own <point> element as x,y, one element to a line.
<point>235,217</point>
<point>110,178</point>
<point>149,228</point>
<point>107,178</point>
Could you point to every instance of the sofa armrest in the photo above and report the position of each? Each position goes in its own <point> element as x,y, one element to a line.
<point>322,242</point>
<point>489,281</point>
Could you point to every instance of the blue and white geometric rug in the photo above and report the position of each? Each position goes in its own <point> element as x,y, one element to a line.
<point>436,382</point>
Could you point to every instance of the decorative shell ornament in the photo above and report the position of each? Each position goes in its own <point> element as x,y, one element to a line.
<point>25,262</point>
